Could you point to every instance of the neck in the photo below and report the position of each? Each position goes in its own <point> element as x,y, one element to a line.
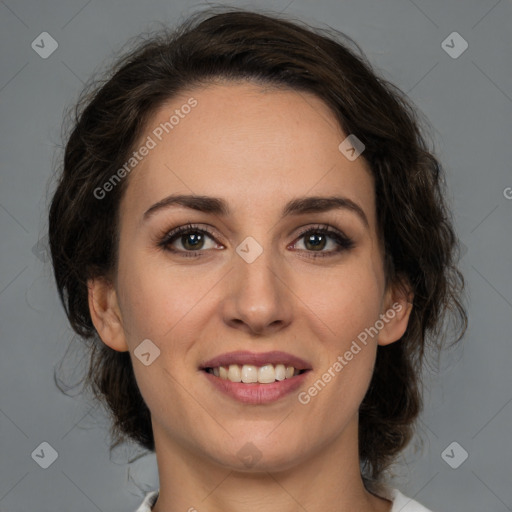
<point>329,480</point>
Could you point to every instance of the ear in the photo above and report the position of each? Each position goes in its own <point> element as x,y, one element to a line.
<point>397,307</point>
<point>105,313</point>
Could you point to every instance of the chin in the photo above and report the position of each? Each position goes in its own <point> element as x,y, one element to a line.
<point>261,452</point>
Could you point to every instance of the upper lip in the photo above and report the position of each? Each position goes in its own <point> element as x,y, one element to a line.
<point>242,357</point>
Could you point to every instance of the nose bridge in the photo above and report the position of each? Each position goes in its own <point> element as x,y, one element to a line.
<point>258,295</point>
<point>256,265</point>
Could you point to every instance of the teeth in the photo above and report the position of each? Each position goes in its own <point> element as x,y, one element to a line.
<point>280,372</point>
<point>266,374</point>
<point>250,374</point>
<point>234,373</point>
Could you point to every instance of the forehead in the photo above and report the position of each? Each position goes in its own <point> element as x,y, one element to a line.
<point>251,145</point>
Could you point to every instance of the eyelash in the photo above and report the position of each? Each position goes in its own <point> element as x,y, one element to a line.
<point>342,241</point>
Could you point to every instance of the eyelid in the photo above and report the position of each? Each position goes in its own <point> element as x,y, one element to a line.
<point>322,227</point>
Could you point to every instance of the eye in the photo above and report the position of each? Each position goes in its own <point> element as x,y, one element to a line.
<point>316,239</point>
<point>191,238</point>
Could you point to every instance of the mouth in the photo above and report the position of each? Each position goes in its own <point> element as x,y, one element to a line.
<point>256,378</point>
<point>250,367</point>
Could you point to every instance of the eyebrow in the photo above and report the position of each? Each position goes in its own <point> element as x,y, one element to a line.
<point>298,206</point>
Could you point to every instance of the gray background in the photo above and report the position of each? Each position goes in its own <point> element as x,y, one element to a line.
<point>469,102</point>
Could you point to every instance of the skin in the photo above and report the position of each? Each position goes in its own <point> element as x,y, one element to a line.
<point>257,148</point>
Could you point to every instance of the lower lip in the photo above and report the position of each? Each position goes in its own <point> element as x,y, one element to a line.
<point>257,394</point>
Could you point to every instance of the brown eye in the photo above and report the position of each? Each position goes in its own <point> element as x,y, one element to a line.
<point>190,237</point>
<point>316,239</point>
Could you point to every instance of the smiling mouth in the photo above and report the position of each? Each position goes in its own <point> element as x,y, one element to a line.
<point>251,374</point>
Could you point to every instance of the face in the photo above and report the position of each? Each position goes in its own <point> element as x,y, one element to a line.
<point>307,283</point>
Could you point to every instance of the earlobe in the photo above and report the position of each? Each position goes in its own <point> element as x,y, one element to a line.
<point>105,313</point>
<point>398,308</point>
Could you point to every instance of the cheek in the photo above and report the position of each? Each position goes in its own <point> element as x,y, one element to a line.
<point>342,312</point>
<point>154,299</point>
<point>139,307</point>
<point>155,307</point>
<point>348,301</point>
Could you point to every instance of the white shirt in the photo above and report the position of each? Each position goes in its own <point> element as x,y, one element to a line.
<point>401,503</point>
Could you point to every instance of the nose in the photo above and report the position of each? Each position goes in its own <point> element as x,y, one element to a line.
<point>258,298</point>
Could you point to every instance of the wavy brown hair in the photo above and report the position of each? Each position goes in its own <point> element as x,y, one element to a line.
<point>414,221</point>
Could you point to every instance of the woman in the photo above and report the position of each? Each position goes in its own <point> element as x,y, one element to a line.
<point>250,227</point>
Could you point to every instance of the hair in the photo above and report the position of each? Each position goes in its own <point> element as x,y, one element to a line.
<point>414,221</point>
